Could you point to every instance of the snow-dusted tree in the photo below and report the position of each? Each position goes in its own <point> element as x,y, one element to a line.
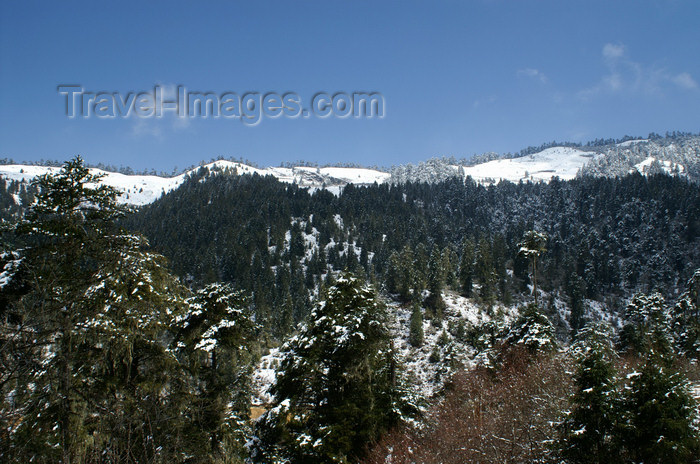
<point>686,319</point>
<point>416,335</point>
<point>532,247</point>
<point>661,415</point>
<point>588,434</point>
<point>532,330</point>
<point>87,370</point>
<point>336,389</point>
<point>466,267</point>
<point>647,326</point>
<point>214,339</point>
<point>436,281</point>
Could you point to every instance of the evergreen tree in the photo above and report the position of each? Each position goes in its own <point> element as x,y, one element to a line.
<point>661,414</point>
<point>466,268</point>
<point>485,272</point>
<point>436,279</point>
<point>83,337</point>
<point>415,336</point>
<point>589,432</point>
<point>532,330</point>
<point>336,387</point>
<point>686,319</point>
<point>575,288</point>
<point>532,247</point>
<point>647,326</point>
<point>215,341</point>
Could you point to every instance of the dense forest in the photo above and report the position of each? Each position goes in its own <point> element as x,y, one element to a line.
<point>608,237</point>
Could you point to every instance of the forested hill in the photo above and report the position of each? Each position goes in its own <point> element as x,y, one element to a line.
<point>608,237</point>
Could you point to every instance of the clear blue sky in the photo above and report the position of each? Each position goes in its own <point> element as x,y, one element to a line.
<point>459,77</point>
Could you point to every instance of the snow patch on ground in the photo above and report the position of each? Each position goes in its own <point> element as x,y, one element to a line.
<point>264,377</point>
<point>667,166</point>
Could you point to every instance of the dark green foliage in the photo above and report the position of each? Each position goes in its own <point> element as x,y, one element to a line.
<point>661,412</point>
<point>575,289</point>
<point>336,389</point>
<point>88,371</point>
<point>589,434</point>
<point>485,272</point>
<point>532,330</point>
<point>686,319</point>
<point>532,247</point>
<point>647,326</point>
<point>466,268</point>
<point>597,228</point>
<point>415,336</point>
<point>214,339</point>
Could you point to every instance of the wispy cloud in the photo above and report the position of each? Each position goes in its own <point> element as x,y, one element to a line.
<point>613,51</point>
<point>625,75</point>
<point>685,81</point>
<point>168,122</point>
<point>532,73</point>
<point>484,101</point>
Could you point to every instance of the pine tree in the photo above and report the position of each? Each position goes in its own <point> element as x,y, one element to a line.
<point>336,387</point>
<point>436,279</point>
<point>532,330</point>
<point>485,273</point>
<point>466,268</point>
<point>86,329</point>
<point>575,290</point>
<point>215,339</point>
<point>416,335</point>
<point>686,319</point>
<point>589,432</point>
<point>532,247</point>
<point>647,326</point>
<point>660,415</point>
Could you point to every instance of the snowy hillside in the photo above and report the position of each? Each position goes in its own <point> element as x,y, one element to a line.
<point>562,162</point>
<point>144,189</point>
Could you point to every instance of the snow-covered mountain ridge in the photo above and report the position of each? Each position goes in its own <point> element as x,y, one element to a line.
<point>647,157</point>
<point>144,189</point>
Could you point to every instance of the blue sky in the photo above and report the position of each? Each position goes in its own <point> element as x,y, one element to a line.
<point>458,77</point>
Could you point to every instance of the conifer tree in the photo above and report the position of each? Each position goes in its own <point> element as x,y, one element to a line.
<point>661,415</point>
<point>686,319</point>
<point>466,268</point>
<point>416,335</point>
<point>215,339</point>
<point>532,247</point>
<point>485,272</point>
<point>86,330</point>
<point>589,432</point>
<point>532,330</point>
<point>336,388</point>
<point>436,276</point>
<point>647,325</point>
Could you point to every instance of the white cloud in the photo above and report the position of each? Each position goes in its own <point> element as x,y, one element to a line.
<point>613,51</point>
<point>627,76</point>
<point>169,121</point>
<point>147,127</point>
<point>685,80</point>
<point>484,101</point>
<point>532,74</point>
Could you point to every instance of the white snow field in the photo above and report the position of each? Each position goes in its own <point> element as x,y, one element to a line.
<point>561,162</point>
